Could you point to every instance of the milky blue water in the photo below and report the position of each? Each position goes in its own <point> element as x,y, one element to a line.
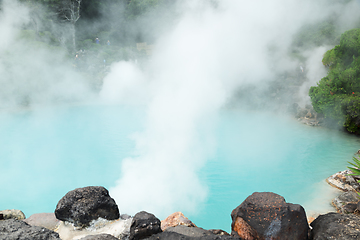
<point>47,152</point>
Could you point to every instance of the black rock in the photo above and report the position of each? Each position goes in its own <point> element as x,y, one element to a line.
<point>83,205</point>
<point>219,232</point>
<point>198,233</point>
<point>144,225</point>
<point>189,233</point>
<point>13,229</point>
<point>350,207</point>
<point>99,237</point>
<point>344,202</point>
<point>168,236</point>
<point>336,226</point>
<point>271,217</point>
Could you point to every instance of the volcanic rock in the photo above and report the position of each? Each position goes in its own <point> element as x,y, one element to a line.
<point>12,214</point>
<point>144,225</point>
<point>46,220</point>
<point>99,237</point>
<point>271,217</point>
<point>219,232</point>
<point>335,226</point>
<point>176,219</point>
<point>341,180</point>
<point>83,205</point>
<point>13,229</point>
<point>243,230</point>
<point>189,233</point>
<point>345,201</point>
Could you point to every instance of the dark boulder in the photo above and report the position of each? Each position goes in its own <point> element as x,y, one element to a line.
<point>189,233</point>
<point>13,229</point>
<point>83,205</point>
<point>169,235</point>
<point>346,202</point>
<point>335,226</point>
<point>144,225</point>
<point>199,233</point>
<point>268,216</point>
<point>99,237</point>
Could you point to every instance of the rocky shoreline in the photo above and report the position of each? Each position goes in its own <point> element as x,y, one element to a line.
<point>90,213</point>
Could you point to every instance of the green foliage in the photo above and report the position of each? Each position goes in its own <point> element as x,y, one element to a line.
<point>337,95</point>
<point>355,167</point>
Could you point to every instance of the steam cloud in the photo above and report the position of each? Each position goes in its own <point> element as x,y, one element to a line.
<point>194,71</point>
<point>32,74</point>
<point>211,50</point>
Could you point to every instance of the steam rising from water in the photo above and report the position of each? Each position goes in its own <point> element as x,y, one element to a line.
<point>193,72</point>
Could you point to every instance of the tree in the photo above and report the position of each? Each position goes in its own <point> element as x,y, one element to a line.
<point>337,96</point>
<point>69,10</point>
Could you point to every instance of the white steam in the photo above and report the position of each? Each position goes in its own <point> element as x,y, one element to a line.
<point>194,70</point>
<point>31,72</point>
<point>315,72</point>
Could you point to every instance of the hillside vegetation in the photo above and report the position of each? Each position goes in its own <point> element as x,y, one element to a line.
<point>337,96</point>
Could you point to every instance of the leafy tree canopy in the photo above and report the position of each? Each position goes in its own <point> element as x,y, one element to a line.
<point>337,96</point>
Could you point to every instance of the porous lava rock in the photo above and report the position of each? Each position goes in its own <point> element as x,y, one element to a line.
<point>176,219</point>
<point>219,232</point>
<point>143,225</point>
<point>271,217</point>
<point>336,226</point>
<point>13,229</point>
<point>82,205</point>
<point>99,237</point>
<point>12,214</point>
<point>243,230</point>
<point>182,232</point>
<point>46,220</point>
<point>346,202</point>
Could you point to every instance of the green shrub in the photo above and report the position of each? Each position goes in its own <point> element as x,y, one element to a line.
<point>355,167</point>
<point>337,96</point>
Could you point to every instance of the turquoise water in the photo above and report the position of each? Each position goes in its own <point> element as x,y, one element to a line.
<point>47,152</point>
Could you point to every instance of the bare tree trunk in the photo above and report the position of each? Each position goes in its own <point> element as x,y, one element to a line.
<point>73,36</point>
<point>70,11</point>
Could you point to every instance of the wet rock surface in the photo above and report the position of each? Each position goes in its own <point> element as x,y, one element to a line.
<point>344,182</point>
<point>83,205</point>
<point>336,226</point>
<point>143,225</point>
<point>271,217</point>
<point>13,229</point>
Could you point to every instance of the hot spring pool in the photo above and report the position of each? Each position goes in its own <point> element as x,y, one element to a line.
<point>47,152</point>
